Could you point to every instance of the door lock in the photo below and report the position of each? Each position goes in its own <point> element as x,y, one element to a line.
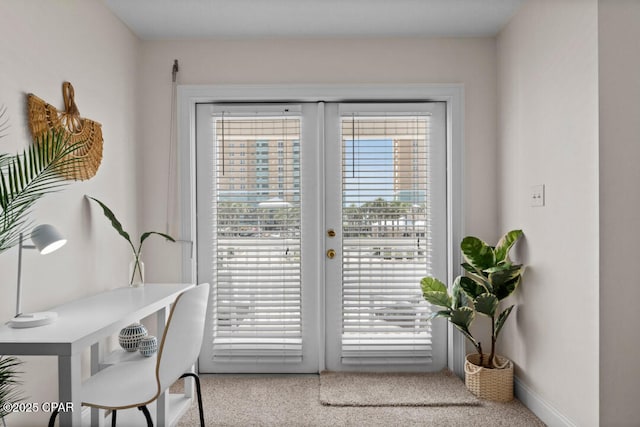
<point>331,253</point>
<point>331,232</point>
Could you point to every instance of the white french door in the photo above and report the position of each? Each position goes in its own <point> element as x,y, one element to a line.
<point>315,224</point>
<point>386,187</point>
<point>255,246</point>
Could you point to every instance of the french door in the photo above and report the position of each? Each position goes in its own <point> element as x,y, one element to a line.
<point>315,224</point>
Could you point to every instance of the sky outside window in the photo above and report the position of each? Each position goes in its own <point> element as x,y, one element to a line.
<point>368,171</point>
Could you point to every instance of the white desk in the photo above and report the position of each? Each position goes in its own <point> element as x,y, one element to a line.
<point>83,323</point>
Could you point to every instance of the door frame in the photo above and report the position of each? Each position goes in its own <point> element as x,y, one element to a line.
<point>452,94</point>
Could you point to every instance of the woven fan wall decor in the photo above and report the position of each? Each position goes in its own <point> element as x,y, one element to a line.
<point>86,133</point>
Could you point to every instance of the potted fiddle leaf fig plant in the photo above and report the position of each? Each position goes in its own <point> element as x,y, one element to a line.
<point>490,277</point>
<point>136,270</point>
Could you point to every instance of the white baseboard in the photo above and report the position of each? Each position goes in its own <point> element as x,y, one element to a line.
<point>540,407</point>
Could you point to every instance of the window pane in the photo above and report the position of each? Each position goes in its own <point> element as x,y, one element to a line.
<point>386,245</point>
<point>257,308</point>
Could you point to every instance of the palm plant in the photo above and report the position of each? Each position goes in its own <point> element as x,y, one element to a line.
<point>26,177</point>
<point>137,267</point>
<point>8,382</point>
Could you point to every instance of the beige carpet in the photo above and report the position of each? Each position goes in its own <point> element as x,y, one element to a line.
<point>394,389</point>
<point>293,400</point>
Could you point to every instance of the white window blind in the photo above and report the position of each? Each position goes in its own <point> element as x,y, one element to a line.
<point>256,248</point>
<point>386,203</point>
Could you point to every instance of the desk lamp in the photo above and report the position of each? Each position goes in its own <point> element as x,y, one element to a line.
<point>46,239</point>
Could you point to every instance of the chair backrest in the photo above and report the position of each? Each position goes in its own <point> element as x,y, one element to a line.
<point>182,338</point>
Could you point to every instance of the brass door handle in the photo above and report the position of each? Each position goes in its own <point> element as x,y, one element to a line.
<point>331,253</point>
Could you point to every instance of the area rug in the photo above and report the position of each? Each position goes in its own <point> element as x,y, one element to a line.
<point>394,389</point>
<point>292,401</point>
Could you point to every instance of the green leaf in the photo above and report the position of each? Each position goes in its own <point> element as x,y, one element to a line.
<point>441,299</point>
<point>26,177</point>
<point>486,304</point>
<point>435,292</point>
<point>441,313</point>
<point>468,267</point>
<point>114,222</point>
<point>471,287</point>
<point>462,317</point>
<point>9,382</point>
<point>500,321</point>
<point>506,289</point>
<point>432,284</point>
<point>149,233</point>
<point>472,270</point>
<point>477,253</point>
<point>506,243</point>
<point>504,265</point>
<point>505,281</point>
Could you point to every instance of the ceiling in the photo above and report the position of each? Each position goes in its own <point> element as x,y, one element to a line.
<point>206,19</point>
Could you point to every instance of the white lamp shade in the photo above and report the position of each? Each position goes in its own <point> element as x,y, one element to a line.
<point>47,239</point>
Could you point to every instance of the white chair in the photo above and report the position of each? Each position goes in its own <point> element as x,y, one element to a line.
<point>137,383</point>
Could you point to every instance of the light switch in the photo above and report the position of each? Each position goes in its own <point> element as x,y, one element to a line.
<point>536,195</point>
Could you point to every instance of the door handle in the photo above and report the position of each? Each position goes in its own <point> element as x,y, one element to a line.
<point>331,253</point>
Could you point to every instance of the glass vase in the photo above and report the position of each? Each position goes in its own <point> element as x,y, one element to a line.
<point>136,272</point>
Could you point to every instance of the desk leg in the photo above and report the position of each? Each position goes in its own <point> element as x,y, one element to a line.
<point>162,404</point>
<point>69,383</point>
<point>97,415</point>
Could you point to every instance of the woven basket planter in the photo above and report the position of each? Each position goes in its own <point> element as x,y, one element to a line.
<point>490,384</point>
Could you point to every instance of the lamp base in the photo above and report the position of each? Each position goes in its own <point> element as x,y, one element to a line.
<point>31,320</point>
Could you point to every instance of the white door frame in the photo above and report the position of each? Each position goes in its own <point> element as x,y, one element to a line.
<point>452,94</point>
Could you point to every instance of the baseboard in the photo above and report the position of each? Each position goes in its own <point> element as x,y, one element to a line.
<point>540,407</point>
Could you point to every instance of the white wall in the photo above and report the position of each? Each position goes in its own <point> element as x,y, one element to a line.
<point>548,134</point>
<point>42,44</point>
<point>470,61</point>
<point>619,61</point>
